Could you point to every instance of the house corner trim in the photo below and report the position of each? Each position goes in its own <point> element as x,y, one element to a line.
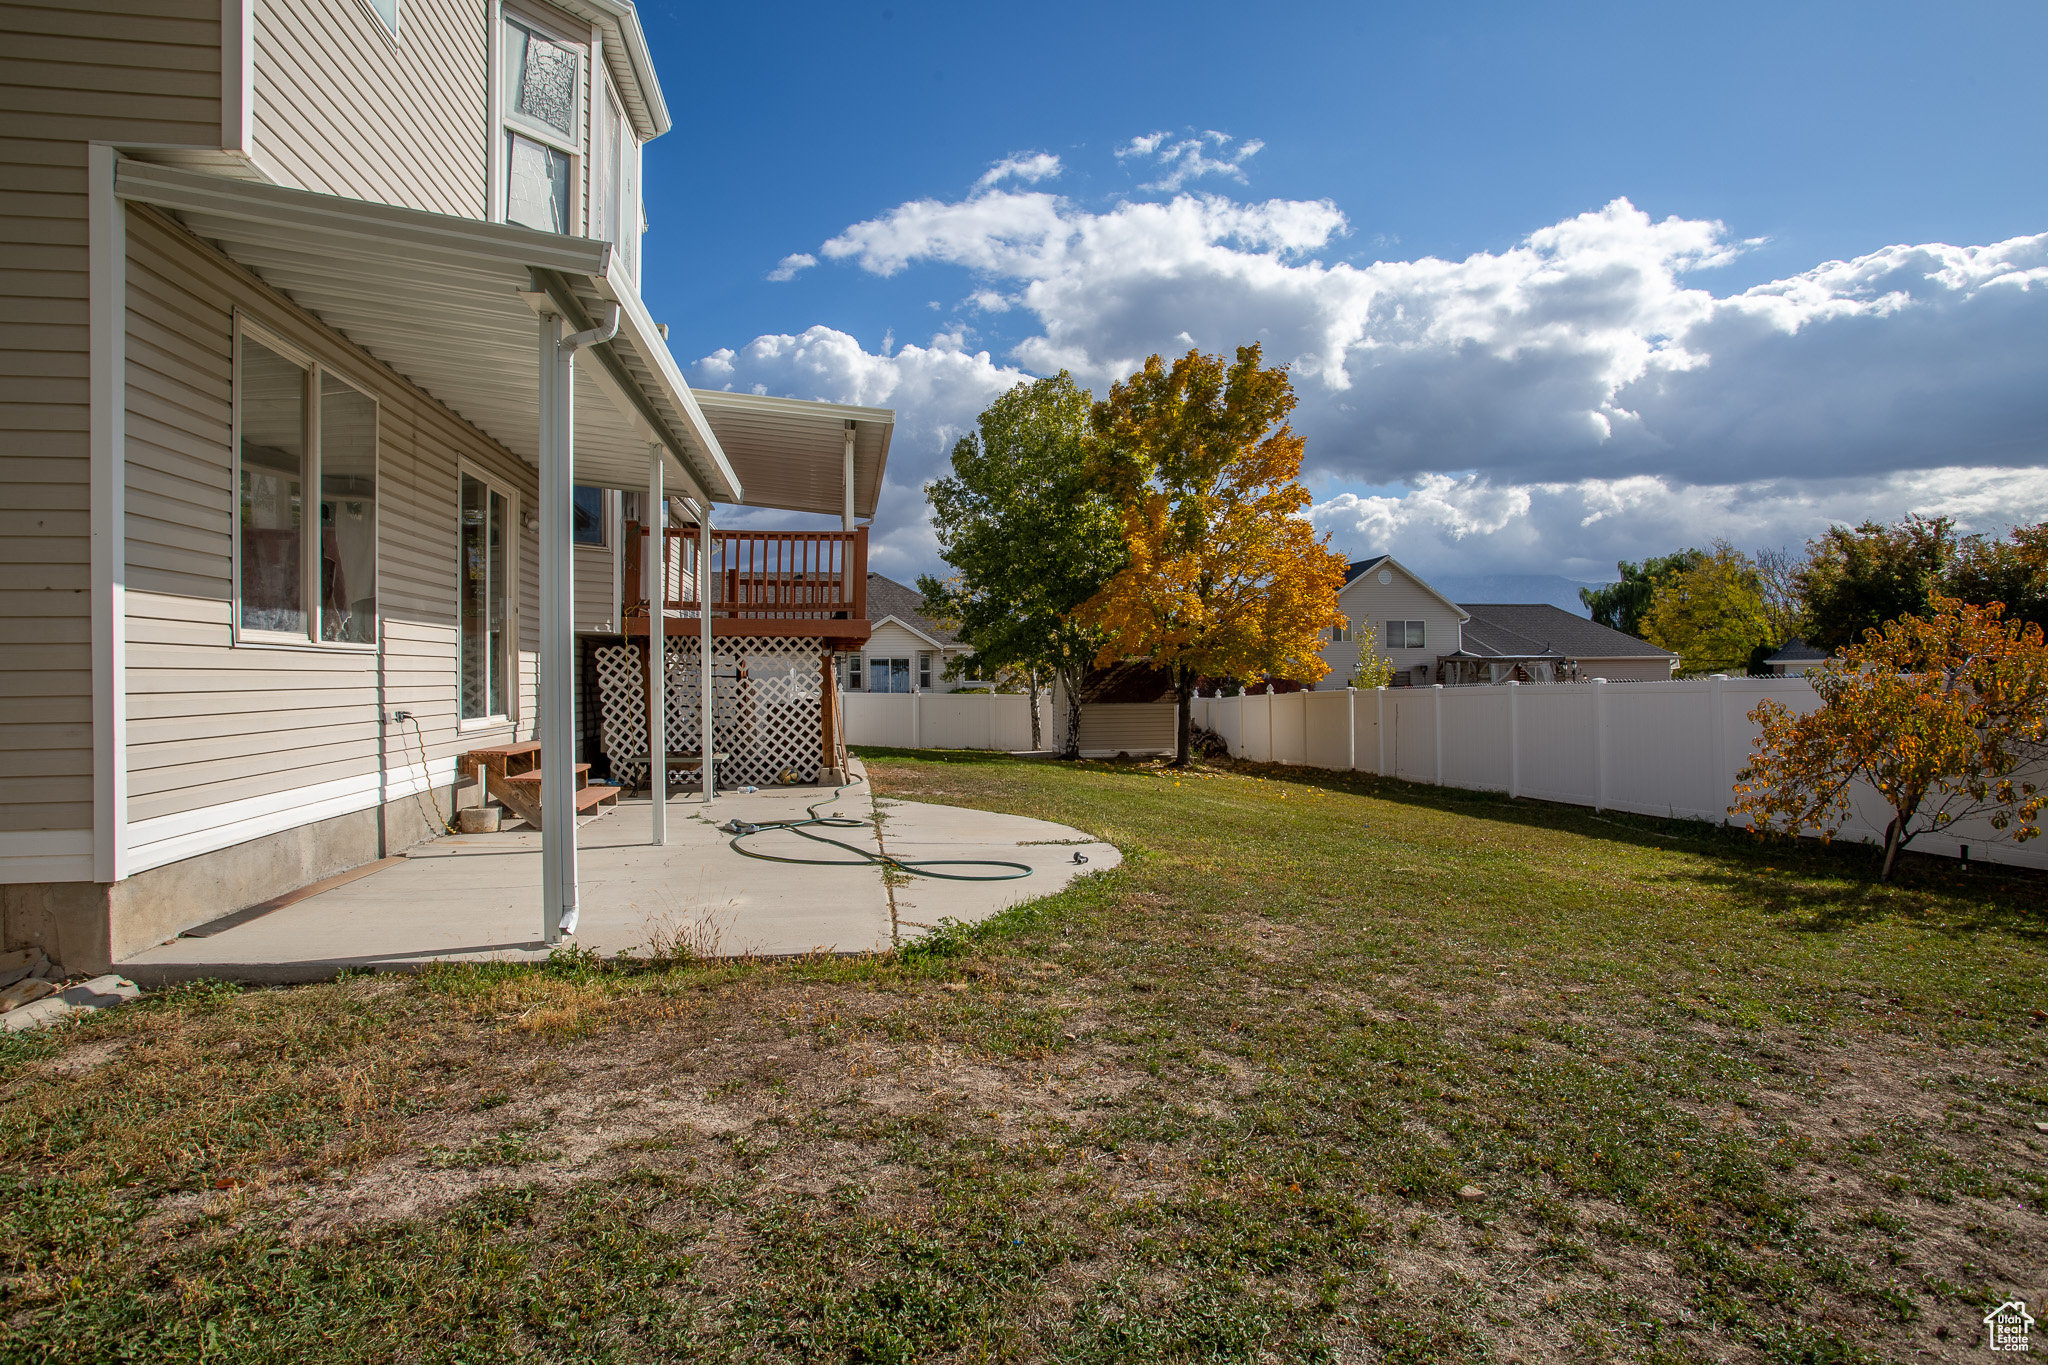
<point>107,318</point>
<point>238,76</point>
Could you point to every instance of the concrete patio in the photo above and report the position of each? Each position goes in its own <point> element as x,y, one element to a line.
<point>476,897</point>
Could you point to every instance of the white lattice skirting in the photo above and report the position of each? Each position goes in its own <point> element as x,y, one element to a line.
<point>766,700</point>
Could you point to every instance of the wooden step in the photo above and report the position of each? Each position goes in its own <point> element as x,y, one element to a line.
<point>591,798</point>
<point>506,750</point>
<point>532,779</point>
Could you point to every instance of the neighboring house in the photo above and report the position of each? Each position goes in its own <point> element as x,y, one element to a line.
<point>287,525</point>
<point>1796,659</point>
<point>1394,614</point>
<point>908,651</point>
<point>1431,639</point>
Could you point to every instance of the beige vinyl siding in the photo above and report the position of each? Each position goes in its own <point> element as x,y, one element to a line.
<point>342,108</point>
<point>593,586</point>
<point>212,722</point>
<point>1128,727</point>
<point>141,71</point>
<point>1371,604</point>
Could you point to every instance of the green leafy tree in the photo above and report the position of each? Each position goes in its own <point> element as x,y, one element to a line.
<point>1858,578</point>
<point>1030,538</point>
<point>1621,606</point>
<point>1710,613</point>
<point>2013,571</point>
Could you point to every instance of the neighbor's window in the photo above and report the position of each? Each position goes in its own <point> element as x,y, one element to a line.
<point>485,587</point>
<point>1339,634</point>
<point>888,675</point>
<point>1404,635</point>
<point>924,672</point>
<point>307,564</point>
<point>590,516</point>
<point>853,668</point>
<point>542,135</point>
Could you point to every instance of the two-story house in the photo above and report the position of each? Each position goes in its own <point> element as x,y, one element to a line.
<point>322,324</point>
<point>1395,614</point>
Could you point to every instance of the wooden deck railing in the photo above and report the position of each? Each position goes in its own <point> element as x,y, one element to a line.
<point>757,575</point>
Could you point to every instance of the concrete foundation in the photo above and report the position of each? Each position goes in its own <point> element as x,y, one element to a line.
<point>89,926</point>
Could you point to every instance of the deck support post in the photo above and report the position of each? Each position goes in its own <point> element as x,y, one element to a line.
<point>707,744</point>
<point>846,483</point>
<point>557,641</point>
<point>655,581</point>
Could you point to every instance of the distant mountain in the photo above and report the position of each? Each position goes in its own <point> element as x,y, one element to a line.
<point>1555,589</point>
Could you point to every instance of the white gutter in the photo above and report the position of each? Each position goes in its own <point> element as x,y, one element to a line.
<point>628,20</point>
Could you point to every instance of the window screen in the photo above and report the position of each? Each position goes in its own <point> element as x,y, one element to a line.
<point>271,408</point>
<point>348,513</point>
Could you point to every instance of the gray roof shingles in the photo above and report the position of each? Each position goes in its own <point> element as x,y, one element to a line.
<point>887,597</point>
<point>1797,651</point>
<point>1537,630</point>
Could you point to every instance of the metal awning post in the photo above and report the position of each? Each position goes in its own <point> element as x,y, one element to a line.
<point>558,615</point>
<point>557,607</point>
<point>707,744</point>
<point>656,576</point>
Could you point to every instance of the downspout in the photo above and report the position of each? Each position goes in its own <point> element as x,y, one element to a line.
<point>557,681</point>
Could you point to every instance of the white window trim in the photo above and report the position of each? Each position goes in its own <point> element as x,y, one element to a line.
<point>533,128</point>
<point>492,483</point>
<point>389,31</point>
<point>241,637</point>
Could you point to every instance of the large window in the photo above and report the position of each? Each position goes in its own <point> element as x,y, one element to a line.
<point>1404,635</point>
<point>543,103</point>
<point>486,588</point>
<point>888,675</point>
<point>306,500</point>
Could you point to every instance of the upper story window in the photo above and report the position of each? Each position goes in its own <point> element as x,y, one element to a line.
<point>1404,635</point>
<point>615,180</point>
<point>543,103</point>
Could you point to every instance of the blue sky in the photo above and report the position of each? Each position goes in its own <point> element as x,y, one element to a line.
<point>1622,392</point>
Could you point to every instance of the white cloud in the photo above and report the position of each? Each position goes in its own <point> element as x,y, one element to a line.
<point>1188,159</point>
<point>791,265</point>
<point>1469,523</point>
<point>1574,396</point>
<point>1030,169</point>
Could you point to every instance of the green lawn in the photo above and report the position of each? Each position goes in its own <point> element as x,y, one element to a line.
<point>1330,1069</point>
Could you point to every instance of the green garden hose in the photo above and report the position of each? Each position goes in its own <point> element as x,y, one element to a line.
<point>916,867</point>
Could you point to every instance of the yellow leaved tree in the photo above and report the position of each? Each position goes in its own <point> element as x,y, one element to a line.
<point>1943,719</point>
<point>1226,576</point>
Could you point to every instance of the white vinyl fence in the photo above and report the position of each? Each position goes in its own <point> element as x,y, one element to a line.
<point>941,720</point>
<point>1651,748</point>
